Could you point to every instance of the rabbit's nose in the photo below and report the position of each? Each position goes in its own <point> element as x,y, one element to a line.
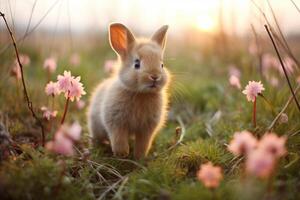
<point>154,77</point>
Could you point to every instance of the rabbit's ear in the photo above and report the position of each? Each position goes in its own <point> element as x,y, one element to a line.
<point>120,38</point>
<point>160,36</point>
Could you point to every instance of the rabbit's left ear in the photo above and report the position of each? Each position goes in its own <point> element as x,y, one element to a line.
<point>160,36</point>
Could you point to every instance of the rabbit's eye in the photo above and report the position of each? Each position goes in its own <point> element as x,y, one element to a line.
<point>137,64</point>
<point>162,65</point>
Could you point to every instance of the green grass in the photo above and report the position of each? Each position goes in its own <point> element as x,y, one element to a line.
<point>200,95</point>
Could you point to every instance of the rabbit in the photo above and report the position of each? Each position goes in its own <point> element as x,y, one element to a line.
<point>134,100</point>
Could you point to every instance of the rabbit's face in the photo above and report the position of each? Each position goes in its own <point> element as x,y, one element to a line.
<point>144,70</point>
<point>142,67</point>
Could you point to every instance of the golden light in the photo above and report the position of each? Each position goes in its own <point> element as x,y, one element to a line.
<point>205,23</point>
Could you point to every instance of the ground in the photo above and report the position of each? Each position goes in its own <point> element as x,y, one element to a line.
<point>201,98</point>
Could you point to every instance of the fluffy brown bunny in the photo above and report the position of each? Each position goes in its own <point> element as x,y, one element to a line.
<point>133,102</point>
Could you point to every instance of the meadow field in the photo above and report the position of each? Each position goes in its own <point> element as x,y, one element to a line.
<point>207,107</point>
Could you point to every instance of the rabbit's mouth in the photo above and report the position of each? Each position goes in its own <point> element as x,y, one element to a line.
<point>153,85</point>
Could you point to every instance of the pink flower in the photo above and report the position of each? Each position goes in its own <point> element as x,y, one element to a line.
<point>64,82</point>
<point>64,139</point>
<point>61,144</point>
<point>283,119</point>
<point>24,59</point>
<point>289,65</point>
<point>47,113</point>
<point>74,131</point>
<point>210,175</point>
<point>253,48</point>
<point>272,144</point>
<point>71,86</point>
<point>16,72</point>
<point>109,66</point>
<point>50,64</point>
<point>75,59</point>
<point>76,90</point>
<point>268,61</point>
<point>234,71</point>
<point>260,163</point>
<point>274,81</point>
<point>80,104</point>
<point>253,89</point>
<point>235,81</point>
<point>52,89</point>
<point>242,143</point>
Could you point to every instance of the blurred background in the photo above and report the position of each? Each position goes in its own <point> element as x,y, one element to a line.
<point>214,48</point>
<point>206,39</point>
<point>234,16</point>
<point>73,21</point>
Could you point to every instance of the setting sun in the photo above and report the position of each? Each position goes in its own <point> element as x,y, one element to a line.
<point>205,23</point>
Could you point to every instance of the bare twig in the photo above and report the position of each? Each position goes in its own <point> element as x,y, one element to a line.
<point>283,109</point>
<point>296,6</point>
<point>29,103</point>
<point>281,34</point>
<point>286,48</point>
<point>283,44</point>
<point>283,67</point>
<point>277,24</point>
<point>32,29</point>
<point>30,18</point>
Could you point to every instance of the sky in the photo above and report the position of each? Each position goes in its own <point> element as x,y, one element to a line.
<point>146,15</point>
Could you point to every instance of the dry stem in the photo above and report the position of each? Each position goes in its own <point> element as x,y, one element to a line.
<point>283,67</point>
<point>29,103</point>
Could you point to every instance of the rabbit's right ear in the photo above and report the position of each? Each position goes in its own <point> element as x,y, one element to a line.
<point>120,38</point>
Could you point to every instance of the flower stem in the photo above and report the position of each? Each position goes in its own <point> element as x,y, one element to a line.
<point>65,111</point>
<point>213,194</point>
<point>254,113</point>
<point>48,76</point>
<point>52,109</point>
<point>52,106</point>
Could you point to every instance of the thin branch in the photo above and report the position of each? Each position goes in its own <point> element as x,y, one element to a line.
<point>11,15</point>
<point>277,24</point>
<point>295,6</point>
<point>55,29</point>
<point>283,109</point>
<point>281,34</point>
<point>283,67</point>
<point>30,18</point>
<point>29,103</point>
<point>284,47</point>
<point>33,29</point>
<point>283,44</point>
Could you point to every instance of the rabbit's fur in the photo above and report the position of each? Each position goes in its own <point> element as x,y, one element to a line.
<point>131,102</point>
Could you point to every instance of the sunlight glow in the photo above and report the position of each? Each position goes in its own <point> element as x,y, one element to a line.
<point>205,23</point>
<point>146,16</point>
